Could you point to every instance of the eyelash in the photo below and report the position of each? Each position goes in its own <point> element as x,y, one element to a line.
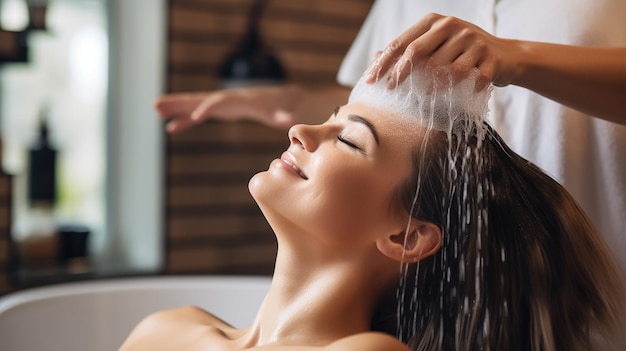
<point>349,143</point>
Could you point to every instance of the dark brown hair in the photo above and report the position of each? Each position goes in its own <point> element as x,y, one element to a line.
<point>521,266</point>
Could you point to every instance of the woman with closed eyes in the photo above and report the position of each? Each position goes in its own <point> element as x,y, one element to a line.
<point>413,227</point>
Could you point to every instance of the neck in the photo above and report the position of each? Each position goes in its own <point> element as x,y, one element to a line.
<point>315,300</point>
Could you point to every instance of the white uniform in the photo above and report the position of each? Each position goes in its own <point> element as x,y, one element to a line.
<point>585,154</point>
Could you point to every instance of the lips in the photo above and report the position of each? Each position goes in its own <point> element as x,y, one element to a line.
<point>290,161</point>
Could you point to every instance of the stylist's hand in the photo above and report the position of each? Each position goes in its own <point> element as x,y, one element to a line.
<point>267,105</point>
<point>437,41</point>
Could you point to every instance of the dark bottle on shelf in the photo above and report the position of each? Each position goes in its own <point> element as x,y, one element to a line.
<point>42,168</point>
<point>252,63</point>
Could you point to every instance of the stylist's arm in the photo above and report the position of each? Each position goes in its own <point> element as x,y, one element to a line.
<point>278,106</point>
<point>589,79</point>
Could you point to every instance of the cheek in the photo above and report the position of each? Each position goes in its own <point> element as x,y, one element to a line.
<point>353,201</point>
<point>353,190</point>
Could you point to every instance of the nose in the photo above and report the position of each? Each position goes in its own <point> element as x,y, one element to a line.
<point>304,136</point>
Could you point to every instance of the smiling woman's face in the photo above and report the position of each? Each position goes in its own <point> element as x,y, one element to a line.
<point>336,180</point>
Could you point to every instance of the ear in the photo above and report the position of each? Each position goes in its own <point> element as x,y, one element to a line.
<point>421,240</point>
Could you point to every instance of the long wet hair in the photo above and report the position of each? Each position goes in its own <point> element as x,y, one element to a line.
<point>521,266</point>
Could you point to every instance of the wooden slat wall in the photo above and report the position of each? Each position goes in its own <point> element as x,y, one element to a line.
<point>213,225</point>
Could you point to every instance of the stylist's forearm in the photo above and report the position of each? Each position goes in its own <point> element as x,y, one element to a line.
<point>591,80</point>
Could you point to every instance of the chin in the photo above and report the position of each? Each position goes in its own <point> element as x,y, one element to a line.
<point>263,190</point>
<point>265,193</point>
<point>256,185</point>
<point>256,182</point>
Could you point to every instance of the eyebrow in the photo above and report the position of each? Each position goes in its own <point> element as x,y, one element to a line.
<point>370,126</point>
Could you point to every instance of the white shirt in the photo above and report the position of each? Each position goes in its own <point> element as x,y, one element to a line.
<point>585,154</point>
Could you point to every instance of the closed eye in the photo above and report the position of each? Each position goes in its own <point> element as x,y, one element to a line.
<point>349,143</point>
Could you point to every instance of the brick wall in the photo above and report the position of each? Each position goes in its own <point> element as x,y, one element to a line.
<point>212,223</point>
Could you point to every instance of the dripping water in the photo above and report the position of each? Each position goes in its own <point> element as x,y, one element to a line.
<point>454,314</point>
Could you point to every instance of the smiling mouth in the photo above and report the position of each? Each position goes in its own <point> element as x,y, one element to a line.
<point>287,158</point>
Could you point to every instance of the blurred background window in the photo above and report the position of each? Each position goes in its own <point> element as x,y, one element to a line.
<point>63,84</point>
<point>81,84</point>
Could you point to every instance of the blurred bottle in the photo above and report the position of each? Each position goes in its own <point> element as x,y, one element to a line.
<point>39,246</point>
<point>42,163</point>
<point>252,63</point>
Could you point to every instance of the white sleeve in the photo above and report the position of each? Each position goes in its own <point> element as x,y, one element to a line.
<point>374,35</point>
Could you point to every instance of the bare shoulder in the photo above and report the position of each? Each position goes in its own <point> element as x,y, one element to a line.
<point>182,316</point>
<point>372,341</point>
<point>158,329</point>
